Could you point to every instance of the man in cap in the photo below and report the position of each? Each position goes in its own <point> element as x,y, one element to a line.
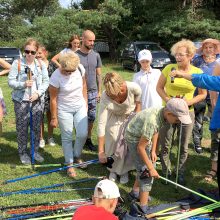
<point>105,199</point>
<point>141,137</point>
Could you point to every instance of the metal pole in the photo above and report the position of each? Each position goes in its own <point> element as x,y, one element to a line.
<point>50,171</point>
<point>187,189</point>
<point>178,154</point>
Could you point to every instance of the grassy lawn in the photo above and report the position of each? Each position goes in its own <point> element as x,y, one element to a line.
<point>197,165</point>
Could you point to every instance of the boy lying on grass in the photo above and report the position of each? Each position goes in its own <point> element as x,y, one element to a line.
<point>141,137</point>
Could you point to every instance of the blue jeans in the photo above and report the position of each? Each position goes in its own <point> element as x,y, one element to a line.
<point>79,119</point>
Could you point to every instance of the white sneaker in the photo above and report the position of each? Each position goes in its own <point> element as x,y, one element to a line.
<point>42,143</point>
<point>112,176</point>
<point>124,178</point>
<point>51,142</point>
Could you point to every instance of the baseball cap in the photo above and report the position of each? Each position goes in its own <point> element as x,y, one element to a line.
<point>106,189</point>
<point>144,55</point>
<point>180,109</point>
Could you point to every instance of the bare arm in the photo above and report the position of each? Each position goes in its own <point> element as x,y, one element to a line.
<point>138,106</point>
<point>55,60</point>
<point>101,149</point>
<point>202,93</point>
<point>141,148</point>
<point>160,88</point>
<point>154,147</point>
<point>53,105</point>
<point>99,80</point>
<point>6,67</point>
<point>85,91</point>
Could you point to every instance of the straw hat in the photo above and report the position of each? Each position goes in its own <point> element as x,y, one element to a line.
<point>212,41</point>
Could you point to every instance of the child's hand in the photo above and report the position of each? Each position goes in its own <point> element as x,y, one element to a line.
<point>153,157</point>
<point>154,173</point>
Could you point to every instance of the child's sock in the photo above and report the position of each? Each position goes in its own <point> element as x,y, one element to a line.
<point>144,208</point>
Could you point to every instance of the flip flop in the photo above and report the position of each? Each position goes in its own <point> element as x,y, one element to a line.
<point>71,172</point>
<point>80,162</point>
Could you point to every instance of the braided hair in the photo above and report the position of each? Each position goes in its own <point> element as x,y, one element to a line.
<point>112,83</point>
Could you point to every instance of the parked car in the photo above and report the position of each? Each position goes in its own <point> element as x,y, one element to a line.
<point>10,54</point>
<point>129,56</point>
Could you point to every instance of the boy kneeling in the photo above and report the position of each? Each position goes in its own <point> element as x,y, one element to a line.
<point>141,137</point>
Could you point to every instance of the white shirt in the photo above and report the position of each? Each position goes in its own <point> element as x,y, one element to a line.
<point>148,82</point>
<point>70,95</point>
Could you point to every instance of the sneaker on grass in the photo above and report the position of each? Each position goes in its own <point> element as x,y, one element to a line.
<point>42,143</point>
<point>38,157</point>
<point>25,159</point>
<point>51,142</point>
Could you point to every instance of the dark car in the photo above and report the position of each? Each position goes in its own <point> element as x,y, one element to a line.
<point>10,54</point>
<point>129,56</point>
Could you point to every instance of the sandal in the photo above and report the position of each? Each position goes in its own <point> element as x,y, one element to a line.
<point>81,163</point>
<point>211,175</point>
<point>71,172</point>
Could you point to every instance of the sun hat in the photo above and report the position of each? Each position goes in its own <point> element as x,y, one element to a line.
<point>106,189</point>
<point>180,109</point>
<point>212,41</point>
<point>144,55</point>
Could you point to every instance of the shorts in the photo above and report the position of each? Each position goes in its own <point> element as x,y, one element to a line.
<point>92,103</point>
<point>146,183</point>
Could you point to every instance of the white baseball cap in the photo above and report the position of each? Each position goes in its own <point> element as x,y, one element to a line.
<point>144,55</point>
<point>180,109</point>
<point>106,189</point>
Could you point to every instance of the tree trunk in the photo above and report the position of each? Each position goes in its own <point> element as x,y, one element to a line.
<point>111,42</point>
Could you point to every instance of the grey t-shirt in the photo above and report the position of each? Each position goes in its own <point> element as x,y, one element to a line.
<point>90,61</point>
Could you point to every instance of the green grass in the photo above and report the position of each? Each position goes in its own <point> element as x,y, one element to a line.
<point>197,165</point>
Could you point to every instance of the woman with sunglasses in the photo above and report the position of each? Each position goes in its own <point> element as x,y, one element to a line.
<point>29,80</point>
<point>73,46</point>
<point>68,106</point>
<point>183,51</point>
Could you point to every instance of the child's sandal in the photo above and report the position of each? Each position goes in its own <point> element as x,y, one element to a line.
<point>71,172</point>
<point>211,175</point>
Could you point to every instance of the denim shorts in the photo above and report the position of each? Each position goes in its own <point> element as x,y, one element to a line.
<point>92,103</point>
<point>146,183</point>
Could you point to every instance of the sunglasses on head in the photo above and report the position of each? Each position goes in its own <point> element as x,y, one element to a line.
<point>32,52</point>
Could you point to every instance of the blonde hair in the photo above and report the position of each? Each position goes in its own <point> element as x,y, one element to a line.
<point>32,41</point>
<point>188,44</point>
<point>69,61</point>
<point>113,83</point>
<point>44,50</point>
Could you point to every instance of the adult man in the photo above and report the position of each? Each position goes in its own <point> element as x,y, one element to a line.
<point>105,199</point>
<point>92,63</point>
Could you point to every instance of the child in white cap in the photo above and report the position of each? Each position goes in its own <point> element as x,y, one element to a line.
<point>140,133</point>
<point>147,79</point>
<point>105,199</point>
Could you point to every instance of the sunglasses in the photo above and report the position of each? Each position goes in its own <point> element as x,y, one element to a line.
<point>32,52</point>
